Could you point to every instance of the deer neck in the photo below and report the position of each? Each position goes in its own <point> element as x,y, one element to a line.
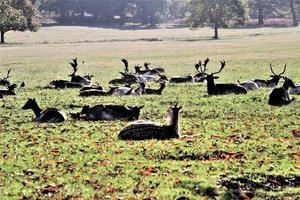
<point>286,85</point>
<point>173,123</point>
<point>162,86</point>
<point>211,85</point>
<point>36,109</point>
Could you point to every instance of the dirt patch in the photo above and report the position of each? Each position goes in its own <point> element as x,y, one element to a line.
<point>215,155</point>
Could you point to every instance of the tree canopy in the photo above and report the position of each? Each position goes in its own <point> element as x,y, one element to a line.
<point>219,13</point>
<point>17,15</point>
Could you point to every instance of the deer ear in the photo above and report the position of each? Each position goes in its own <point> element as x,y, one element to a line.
<point>216,77</point>
<point>141,107</point>
<point>179,108</point>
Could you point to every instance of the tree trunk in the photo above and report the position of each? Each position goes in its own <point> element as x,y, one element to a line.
<point>216,32</point>
<point>2,37</point>
<point>260,13</point>
<point>294,15</point>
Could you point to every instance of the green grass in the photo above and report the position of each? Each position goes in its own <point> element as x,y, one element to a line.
<point>85,160</point>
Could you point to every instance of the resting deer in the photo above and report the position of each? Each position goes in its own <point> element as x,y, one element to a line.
<point>158,69</point>
<point>125,79</point>
<point>148,130</point>
<point>65,84</point>
<point>156,91</point>
<point>50,115</point>
<point>93,87</point>
<point>200,76</point>
<point>4,81</point>
<point>280,96</point>
<point>271,82</point>
<point>9,91</point>
<point>110,112</point>
<point>219,89</point>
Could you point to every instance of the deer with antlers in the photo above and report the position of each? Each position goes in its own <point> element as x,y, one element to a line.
<point>271,82</point>
<point>219,89</point>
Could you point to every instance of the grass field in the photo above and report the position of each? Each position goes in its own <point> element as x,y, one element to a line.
<point>223,137</point>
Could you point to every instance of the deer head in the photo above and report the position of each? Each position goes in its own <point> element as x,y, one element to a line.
<point>146,65</point>
<point>31,102</point>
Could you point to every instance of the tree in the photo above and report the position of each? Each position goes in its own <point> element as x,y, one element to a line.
<point>294,13</point>
<point>219,13</point>
<point>17,15</point>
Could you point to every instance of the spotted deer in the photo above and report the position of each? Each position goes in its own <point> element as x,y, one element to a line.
<point>145,130</point>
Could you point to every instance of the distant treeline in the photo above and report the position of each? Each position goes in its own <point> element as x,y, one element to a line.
<point>150,12</point>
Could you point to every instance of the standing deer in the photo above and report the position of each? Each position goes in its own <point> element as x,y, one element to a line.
<point>280,96</point>
<point>219,89</point>
<point>273,82</point>
<point>148,130</point>
<point>50,115</point>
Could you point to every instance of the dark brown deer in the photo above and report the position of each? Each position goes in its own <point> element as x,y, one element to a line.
<point>125,79</point>
<point>158,69</point>
<point>65,84</point>
<point>110,112</point>
<point>200,76</point>
<point>9,91</point>
<point>280,96</point>
<point>219,89</point>
<point>4,81</point>
<point>50,115</point>
<point>156,91</point>
<point>148,130</point>
<point>273,82</point>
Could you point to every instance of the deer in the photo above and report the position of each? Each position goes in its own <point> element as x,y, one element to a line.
<point>280,96</point>
<point>50,115</point>
<point>93,87</point>
<point>9,91</point>
<point>271,82</point>
<point>109,112</point>
<point>144,130</point>
<point>84,80</point>
<point>200,76</point>
<point>158,69</point>
<point>156,91</point>
<point>220,89</point>
<point>125,79</point>
<point>4,81</point>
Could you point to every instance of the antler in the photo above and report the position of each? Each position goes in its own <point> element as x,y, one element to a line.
<point>198,66</point>
<point>223,63</point>
<point>8,74</point>
<point>74,66</point>
<point>283,70</point>
<point>126,69</point>
<point>204,65</point>
<point>272,69</point>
